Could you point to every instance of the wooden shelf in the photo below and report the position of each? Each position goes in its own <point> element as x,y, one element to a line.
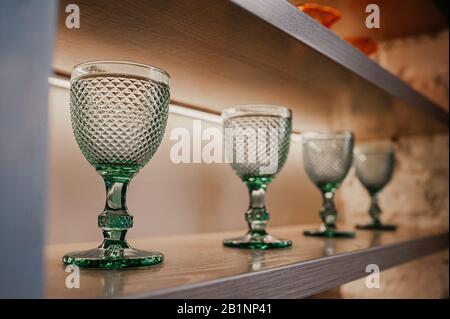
<point>225,53</point>
<point>198,266</point>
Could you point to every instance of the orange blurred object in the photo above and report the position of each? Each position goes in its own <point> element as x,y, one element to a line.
<point>366,45</point>
<point>326,15</point>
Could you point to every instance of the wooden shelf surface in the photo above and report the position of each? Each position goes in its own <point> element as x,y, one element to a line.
<point>225,53</point>
<point>198,266</point>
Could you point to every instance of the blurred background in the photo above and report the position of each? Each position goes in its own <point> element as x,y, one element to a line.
<point>217,61</point>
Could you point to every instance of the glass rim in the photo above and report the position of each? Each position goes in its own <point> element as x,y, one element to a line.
<point>327,134</point>
<point>256,110</point>
<point>164,75</point>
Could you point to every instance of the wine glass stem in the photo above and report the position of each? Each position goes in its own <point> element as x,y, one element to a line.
<point>328,212</point>
<point>375,210</point>
<point>115,220</point>
<point>116,195</point>
<point>257,215</point>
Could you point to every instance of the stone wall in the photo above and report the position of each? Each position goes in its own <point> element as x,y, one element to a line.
<point>418,195</point>
<point>420,61</point>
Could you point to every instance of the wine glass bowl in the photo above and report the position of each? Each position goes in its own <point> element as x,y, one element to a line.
<point>119,113</point>
<point>327,158</point>
<point>116,119</point>
<point>257,141</point>
<point>374,166</point>
<point>257,155</point>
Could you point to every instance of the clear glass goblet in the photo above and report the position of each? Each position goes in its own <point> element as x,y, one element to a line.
<point>374,165</point>
<point>119,114</point>
<point>257,139</point>
<point>327,158</point>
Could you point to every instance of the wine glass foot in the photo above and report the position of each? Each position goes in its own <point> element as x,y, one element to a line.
<point>257,241</point>
<point>385,227</point>
<point>329,233</point>
<point>113,258</point>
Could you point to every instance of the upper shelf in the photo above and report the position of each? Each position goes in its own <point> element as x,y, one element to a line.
<point>224,53</point>
<point>199,266</point>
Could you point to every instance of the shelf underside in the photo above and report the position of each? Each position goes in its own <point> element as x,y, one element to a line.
<point>199,266</point>
<point>220,55</point>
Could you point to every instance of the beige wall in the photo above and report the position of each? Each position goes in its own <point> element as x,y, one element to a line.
<point>418,195</point>
<point>165,198</point>
<point>421,61</point>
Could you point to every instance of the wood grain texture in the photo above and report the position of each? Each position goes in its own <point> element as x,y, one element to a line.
<point>198,266</point>
<point>220,55</point>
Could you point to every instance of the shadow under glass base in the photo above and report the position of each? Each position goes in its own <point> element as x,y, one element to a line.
<point>385,227</point>
<point>114,258</point>
<point>257,241</point>
<point>329,233</point>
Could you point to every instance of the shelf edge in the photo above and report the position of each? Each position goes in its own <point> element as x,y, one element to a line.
<point>307,278</point>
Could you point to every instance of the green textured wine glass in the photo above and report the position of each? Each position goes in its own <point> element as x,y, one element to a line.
<point>327,158</point>
<point>374,165</point>
<point>257,139</point>
<point>119,114</point>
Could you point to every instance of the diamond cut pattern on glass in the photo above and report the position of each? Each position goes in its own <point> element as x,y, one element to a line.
<point>266,151</point>
<point>118,121</point>
<point>374,169</point>
<point>327,160</point>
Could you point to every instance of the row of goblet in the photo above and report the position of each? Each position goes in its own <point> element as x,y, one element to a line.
<point>119,114</point>
<point>327,159</point>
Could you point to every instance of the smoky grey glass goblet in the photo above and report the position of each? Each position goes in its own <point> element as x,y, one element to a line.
<point>374,165</point>
<point>257,140</point>
<point>327,158</point>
